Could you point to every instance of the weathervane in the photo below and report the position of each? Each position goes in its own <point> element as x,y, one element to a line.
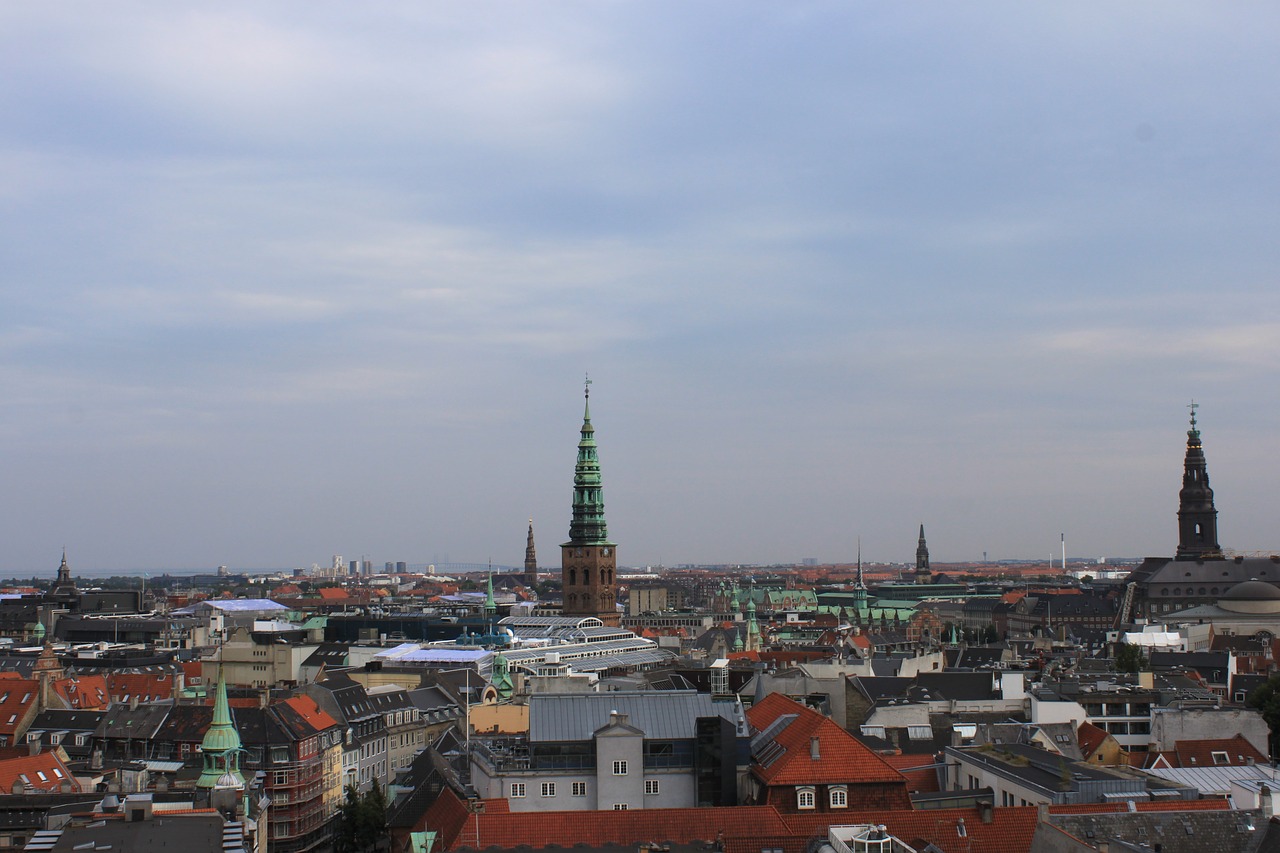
<point>586,386</point>
<point>1194,405</point>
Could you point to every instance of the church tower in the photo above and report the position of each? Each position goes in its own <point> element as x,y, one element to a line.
<point>220,749</point>
<point>588,559</point>
<point>64,585</point>
<point>530,560</point>
<point>923,573</point>
<point>1197,517</point>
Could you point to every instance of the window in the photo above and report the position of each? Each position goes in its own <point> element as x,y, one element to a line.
<point>548,789</point>
<point>839,796</point>
<point>619,807</point>
<point>579,789</point>
<point>651,786</point>
<point>805,798</point>
<point>619,768</point>
<point>517,789</point>
<point>1220,757</point>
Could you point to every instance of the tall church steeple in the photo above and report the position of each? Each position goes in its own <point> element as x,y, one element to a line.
<point>530,559</point>
<point>588,560</point>
<point>1197,517</point>
<point>923,573</point>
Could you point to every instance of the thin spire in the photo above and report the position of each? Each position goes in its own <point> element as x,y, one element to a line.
<point>859,584</point>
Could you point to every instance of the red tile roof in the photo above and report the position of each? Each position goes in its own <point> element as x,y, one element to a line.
<point>741,829</point>
<point>44,772</point>
<point>143,686</point>
<point>84,692</point>
<point>18,697</point>
<point>307,708</point>
<point>842,758</point>
<point>919,781</point>
<point>1090,738</point>
<point>1199,753</point>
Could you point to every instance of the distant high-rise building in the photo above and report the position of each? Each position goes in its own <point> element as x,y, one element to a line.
<point>355,567</point>
<point>368,568</point>
<point>923,573</point>
<point>588,560</point>
<point>389,566</point>
<point>401,567</point>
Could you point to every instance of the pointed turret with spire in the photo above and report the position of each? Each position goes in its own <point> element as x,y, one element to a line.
<point>64,585</point>
<point>221,745</point>
<point>1197,516</point>
<point>923,573</point>
<point>860,589</point>
<point>588,560</point>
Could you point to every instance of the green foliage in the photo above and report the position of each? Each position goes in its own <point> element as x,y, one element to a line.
<point>1266,700</point>
<point>362,821</point>
<point>1130,659</point>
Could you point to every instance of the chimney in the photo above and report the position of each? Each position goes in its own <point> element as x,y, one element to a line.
<point>1042,812</point>
<point>813,749</point>
<point>985,811</point>
<point>1264,802</point>
<point>34,747</point>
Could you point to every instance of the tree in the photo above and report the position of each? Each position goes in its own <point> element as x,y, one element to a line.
<point>362,821</point>
<point>1130,658</point>
<point>990,635</point>
<point>1266,700</point>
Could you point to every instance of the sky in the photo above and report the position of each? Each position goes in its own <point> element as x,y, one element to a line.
<point>284,281</point>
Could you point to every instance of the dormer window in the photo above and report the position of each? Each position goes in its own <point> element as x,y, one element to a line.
<point>838,796</point>
<point>806,797</point>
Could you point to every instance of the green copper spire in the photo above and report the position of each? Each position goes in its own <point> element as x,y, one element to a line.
<point>221,744</point>
<point>490,606</point>
<point>588,526</point>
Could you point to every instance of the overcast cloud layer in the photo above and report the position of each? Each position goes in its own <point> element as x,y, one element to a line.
<point>282,281</point>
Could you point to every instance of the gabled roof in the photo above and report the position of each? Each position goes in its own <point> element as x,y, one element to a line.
<point>738,829</point>
<point>88,692</point>
<point>1090,737</point>
<point>43,772</point>
<point>660,714</point>
<point>1221,752</point>
<point>17,697</point>
<point>841,758</point>
<point>310,713</point>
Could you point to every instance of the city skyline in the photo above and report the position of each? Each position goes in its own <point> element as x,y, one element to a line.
<point>288,282</point>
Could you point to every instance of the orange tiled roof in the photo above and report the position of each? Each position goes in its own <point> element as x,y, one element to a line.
<point>43,772</point>
<point>842,758</point>
<point>1199,753</point>
<point>17,697</point>
<point>144,686</point>
<point>1090,738</point>
<point>919,781</point>
<point>333,593</point>
<point>84,692</point>
<point>741,829</point>
<point>311,712</point>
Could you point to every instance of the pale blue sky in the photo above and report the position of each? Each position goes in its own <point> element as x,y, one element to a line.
<point>286,281</point>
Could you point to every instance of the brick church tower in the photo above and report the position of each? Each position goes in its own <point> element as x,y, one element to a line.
<point>588,560</point>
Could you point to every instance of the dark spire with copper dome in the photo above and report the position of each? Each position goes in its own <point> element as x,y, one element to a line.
<point>1197,516</point>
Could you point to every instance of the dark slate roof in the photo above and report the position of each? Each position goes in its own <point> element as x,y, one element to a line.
<point>71,721</point>
<point>876,688</point>
<point>141,722</point>
<point>186,724</point>
<point>1174,832</point>
<point>954,686</point>
<point>329,655</point>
